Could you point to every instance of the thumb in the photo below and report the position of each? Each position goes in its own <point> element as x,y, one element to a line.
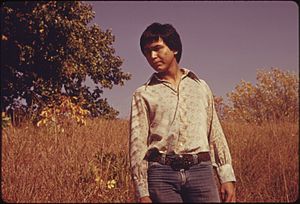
<point>223,194</point>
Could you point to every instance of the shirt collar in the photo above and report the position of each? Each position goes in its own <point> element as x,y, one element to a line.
<point>186,73</point>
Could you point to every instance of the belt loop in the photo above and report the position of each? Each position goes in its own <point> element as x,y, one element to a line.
<point>195,158</point>
<point>163,158</point>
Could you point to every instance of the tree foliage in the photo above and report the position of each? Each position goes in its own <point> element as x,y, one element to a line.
<point>275,97</point>
<point>49,49</point>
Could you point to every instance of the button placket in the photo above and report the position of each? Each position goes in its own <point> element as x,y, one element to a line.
<point>181,119</point>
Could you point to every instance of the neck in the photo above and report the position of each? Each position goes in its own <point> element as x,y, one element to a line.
<point>173,74</point>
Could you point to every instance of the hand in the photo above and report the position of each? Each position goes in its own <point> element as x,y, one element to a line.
<point>228,192</point>
<point>145,199</point>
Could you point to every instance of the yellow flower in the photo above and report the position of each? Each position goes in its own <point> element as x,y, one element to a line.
<point>97,179</point>
<point>39,123</point>
<point>111,184</point>
<point>44,121</point>
<point>44,114</point>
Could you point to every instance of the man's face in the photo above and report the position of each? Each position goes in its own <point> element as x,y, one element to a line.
<point>159,55</point>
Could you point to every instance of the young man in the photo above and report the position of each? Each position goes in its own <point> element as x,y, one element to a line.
<point>175,135</point>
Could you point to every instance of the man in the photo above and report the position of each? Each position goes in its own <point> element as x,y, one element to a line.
<point>175,134</point>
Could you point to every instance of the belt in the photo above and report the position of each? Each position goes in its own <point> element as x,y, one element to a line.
<point>180,161</point>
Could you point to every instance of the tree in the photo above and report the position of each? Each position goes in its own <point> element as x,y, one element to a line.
<point>48,49</point>
<point>274,97</point>
<point>221,107</point>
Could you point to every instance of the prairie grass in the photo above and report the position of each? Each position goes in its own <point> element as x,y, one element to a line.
<point>74,166</point>
<point>265,160</point>
<point>82,163</point>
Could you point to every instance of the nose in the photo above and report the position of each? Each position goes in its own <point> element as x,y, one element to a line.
<point>153,54</point>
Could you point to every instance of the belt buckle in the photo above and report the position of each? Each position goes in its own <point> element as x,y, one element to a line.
<point>179,162</point>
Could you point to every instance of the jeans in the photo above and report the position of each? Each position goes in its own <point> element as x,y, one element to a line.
<point>196,184</point>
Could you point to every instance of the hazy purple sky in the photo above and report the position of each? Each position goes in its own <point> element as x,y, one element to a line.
<point>223,42</point>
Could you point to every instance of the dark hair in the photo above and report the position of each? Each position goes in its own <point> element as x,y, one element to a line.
<point>167,32</point>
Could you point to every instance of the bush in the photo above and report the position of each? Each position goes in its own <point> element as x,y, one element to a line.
<point>274,98</point>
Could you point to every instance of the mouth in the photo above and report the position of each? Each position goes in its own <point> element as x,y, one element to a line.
<point>157,63</point>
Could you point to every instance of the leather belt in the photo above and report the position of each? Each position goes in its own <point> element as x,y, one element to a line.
<point>180,161</point>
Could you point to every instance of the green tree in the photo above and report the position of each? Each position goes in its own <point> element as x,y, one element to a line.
<point>49,49</point>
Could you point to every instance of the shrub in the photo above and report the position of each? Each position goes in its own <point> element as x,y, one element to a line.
<point>274,97</point>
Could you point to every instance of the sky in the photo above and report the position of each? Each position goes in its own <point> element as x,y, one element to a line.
<point>223,42</point>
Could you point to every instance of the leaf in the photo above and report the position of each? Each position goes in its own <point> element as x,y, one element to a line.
<point>60,51</point>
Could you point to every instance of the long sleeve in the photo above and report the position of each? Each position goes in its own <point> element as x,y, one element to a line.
<point>219,150</point>
<point>139,128</point>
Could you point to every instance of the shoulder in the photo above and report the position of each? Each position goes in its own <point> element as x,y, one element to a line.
<point>206,87</point>
<point>148,86</point>
<point>203,83</point>
<point>194,77</point>
<point>140,90</point>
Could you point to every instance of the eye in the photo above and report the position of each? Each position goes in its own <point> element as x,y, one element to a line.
<point>157,48</point>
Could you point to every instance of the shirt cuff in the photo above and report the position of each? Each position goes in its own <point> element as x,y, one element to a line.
<point>142,190</point>
<point>225,173</point>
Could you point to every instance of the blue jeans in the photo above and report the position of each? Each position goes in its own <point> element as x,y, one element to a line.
<point>194,185</point>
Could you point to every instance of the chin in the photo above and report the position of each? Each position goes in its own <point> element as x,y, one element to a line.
<point>159,69</point>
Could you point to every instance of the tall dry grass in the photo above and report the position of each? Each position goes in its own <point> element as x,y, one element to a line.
<point>265,160</point>
<point>43,165</point>
<point>74,166</point>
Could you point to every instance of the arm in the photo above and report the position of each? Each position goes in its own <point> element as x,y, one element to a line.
<point>138,145</point>
<point>220,154</point>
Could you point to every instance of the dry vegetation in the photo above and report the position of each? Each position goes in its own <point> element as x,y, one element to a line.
<point>73,166</point>
<point>65,158</point>
<point>81,163</point>
<point>265,160</point>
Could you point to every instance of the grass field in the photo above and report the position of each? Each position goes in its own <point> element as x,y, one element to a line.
<point>90,163</point>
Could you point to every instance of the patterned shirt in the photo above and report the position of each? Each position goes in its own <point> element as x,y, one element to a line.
<point>182,121</point>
